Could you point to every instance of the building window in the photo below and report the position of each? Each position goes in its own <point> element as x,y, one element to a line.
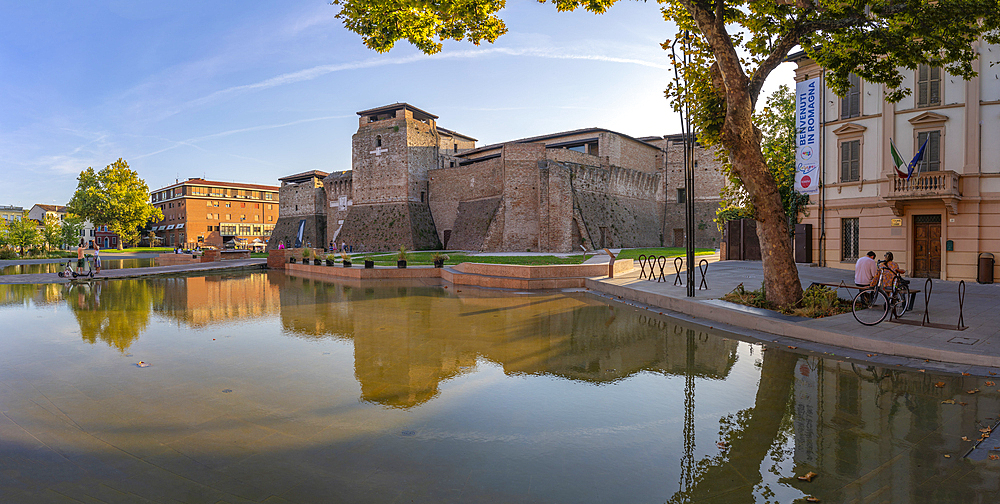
<point>681,196</point>
<point>850,104</point>
<point>849,229</point>
<point>209,229</point>
<point>592,149</point>
<point>850,161</point>
<point>932,152</point>
<point>928,86</point>
<point>378,140</point>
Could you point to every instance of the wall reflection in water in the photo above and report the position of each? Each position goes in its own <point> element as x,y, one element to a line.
<point>407,339</point>
<point>870,432</point>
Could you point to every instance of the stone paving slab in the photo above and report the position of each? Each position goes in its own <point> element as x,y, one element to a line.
<point>53,278</point>
<point>978,345</point>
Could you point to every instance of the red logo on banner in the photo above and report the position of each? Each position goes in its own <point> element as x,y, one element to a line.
<point>806,181</point>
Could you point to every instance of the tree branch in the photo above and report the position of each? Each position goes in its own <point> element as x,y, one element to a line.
<point>778,54</point>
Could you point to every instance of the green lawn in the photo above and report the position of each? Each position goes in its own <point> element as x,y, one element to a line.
<point>665,251</point>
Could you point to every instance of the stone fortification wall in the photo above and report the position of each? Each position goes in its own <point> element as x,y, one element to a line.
<point>614,207</point>
<point>449,187</point>
<point>300,202</point>
<point>706,235</point>
<point>709,181</point>
<point>339,198</point>
<point>389,226</point>
<point>521,205</point>
<point>287,228</point>
<point>627,153</point>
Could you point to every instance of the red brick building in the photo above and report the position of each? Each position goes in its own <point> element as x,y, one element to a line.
<point>220,214</point>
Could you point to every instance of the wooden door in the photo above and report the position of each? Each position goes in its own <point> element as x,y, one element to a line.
<point>679,238</point>
<point>926,246</point>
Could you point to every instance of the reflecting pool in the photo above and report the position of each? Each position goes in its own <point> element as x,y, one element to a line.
<point>266,387</point>
<point>106,264</point>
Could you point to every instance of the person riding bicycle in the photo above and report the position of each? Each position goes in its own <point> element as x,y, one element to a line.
<point>894,271</point>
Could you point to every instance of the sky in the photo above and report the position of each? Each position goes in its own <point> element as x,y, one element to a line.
<point>254,91</point>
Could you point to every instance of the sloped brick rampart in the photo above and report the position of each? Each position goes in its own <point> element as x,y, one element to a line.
<point>472,223</point>
<point>389,226</point>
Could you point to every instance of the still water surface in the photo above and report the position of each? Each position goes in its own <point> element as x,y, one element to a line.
<point>266,386</point>
<point>106,264</point>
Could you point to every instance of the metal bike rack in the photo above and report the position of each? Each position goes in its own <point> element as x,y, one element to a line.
<point>703,266</point>
<point>678,262</point>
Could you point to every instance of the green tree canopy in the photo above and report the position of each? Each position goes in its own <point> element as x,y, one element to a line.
<point>731,47</point>
<point>777,125</point>
<point>51,233</point>
<point>115,197</point>
<point>71,227</point>
<point>23,233</point>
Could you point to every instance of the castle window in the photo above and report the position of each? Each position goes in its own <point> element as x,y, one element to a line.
<point>592,149</point>
<point>422,195</point>
<point>681,195</point>
<point>378,141</point>
<point>456,148</point>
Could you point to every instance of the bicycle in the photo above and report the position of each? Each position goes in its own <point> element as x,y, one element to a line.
<point>873,304</point>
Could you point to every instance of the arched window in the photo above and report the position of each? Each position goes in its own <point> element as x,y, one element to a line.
<point>378,141</point>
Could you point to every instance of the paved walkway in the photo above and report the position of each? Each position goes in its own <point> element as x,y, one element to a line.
<point>178,269</point>
<point>978,345</point>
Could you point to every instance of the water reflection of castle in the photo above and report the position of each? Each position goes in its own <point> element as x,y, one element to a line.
<point>408,339</point>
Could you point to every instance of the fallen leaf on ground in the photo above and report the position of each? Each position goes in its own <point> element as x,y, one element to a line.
<point>922,370</point>
<point>973,391</point>
<point>947,456</point>
<point>965,374</point>
<point>990,383</point>
<point>994,457</point>
<point>992,373</point>
<point>872,354</point>
<point>808,476</point>
<point>792,347</point>
<point>962,403</point>
<point>812,499</point>
<point>965,438</point>
<point>986,429</point>
<point>948,401</point>
<point>939,384</point>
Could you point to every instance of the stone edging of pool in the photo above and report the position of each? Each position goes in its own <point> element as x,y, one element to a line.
<point>496,276</point>
<point>717,311</point>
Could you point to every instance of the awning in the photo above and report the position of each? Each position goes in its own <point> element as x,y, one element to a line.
<point>179,226</point>
<point>170,227</point>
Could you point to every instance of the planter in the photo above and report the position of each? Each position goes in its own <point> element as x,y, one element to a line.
<point>291,260</point>
<point>347,264</point>
<point>317,262</point>
<point>331,262</point>
<point>439,264</point>
<point>369,264</point>
<point>400,264</point>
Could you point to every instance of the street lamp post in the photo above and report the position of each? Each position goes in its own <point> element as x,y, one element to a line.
<point>688,138</point>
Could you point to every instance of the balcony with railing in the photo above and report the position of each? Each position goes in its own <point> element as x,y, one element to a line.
<point>924,186</point>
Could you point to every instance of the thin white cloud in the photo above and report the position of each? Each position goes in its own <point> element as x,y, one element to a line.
<point>319,71</point>
<point>192,142</point>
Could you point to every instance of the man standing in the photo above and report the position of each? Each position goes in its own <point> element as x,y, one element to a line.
<point>79,257</point>
<point>865,270</point>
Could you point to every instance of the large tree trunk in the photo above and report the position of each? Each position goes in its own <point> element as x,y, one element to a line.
<point>781,277</point>
<point>742,139</point>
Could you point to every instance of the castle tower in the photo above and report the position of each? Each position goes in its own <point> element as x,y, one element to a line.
<point>394,147</point>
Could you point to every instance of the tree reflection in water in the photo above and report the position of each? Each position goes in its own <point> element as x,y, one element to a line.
<point>115,312</point>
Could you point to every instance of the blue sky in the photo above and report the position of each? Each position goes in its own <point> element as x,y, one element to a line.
<point>253,91</point>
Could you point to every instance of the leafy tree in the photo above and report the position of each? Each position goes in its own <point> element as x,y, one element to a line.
<point>51,233</point>
<point>23,233</point>
<point>732,46</point>
<point>71,227</point>
<point>777,125</point>
<point>115,197</point>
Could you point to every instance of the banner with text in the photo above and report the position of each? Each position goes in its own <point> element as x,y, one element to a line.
<point>807,136</point>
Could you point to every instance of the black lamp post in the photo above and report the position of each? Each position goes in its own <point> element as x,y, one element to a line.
<point>688,139</point>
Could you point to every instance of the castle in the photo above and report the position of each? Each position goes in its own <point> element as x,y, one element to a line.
<point>419,186</point>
